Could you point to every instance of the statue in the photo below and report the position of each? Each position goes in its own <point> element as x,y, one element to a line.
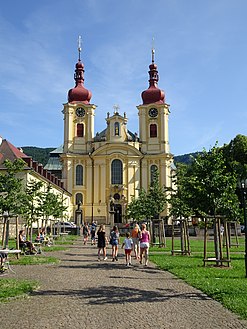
<point>111,204</point>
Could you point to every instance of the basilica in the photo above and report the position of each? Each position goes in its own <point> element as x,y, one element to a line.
<point>103,172</point>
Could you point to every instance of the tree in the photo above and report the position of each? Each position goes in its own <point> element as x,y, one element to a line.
<point>148,204</point>
<point>156,197</point>
<point>180,195</point>
<point>236,155</point>
<point>136,209</point>
<point>11,187</point>
<point>51,205</point>
<point>210,186</point>
<point>31,211</point>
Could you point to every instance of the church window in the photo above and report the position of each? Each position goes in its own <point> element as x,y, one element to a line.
<point>116,128</point>
<point>153,130</point>
<point>117,172</point>
<point>79,175</point>
<point>153,172</point>
<point>78,198</point>
<point>80,130</point>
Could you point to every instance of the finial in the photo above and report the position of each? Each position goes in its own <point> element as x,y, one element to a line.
<point>79,47</point>
<point>153,50</point>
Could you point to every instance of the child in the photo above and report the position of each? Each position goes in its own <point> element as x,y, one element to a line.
<point>128,246</point>
<point>102,241</point>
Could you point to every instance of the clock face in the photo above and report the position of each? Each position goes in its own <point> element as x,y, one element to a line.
<point>153,112</point>
<point>80,112</point>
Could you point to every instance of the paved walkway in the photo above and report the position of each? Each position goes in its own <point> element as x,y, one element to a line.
<point>81,293</point>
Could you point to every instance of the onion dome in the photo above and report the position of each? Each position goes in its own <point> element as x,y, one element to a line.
<point>153,94</point>
<point>79,93</point>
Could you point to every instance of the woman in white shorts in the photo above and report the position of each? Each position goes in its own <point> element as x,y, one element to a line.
<point>144,244</point>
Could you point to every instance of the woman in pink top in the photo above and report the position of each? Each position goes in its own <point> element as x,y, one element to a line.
<point>144,244</point>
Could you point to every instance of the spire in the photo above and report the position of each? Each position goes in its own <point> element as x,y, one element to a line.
<point>153,94</point>
<point>79,93</point>
<point>153,50</point>
<point>79,48</point>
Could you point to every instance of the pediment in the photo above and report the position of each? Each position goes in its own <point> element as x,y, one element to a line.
<point>117,148</point>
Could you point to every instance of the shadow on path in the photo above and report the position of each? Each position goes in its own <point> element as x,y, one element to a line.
<point>112,295</point>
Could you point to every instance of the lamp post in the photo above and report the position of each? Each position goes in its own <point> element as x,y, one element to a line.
<point>243,188</point>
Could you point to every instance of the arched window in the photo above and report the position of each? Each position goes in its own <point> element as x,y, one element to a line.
<point>78,198</point>
<point>116,128</point>
<point>79,175</point>
<point>153,172</point>
<point>116,172</point>
<point>153,130</point>
<point>80,130</point>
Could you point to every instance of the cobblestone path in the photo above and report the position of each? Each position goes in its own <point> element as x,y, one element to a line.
<point>81,293</point>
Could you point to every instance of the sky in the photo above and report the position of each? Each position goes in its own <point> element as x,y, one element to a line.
<point>200,50</point>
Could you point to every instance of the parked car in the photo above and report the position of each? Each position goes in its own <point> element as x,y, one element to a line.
<point>65,225</point>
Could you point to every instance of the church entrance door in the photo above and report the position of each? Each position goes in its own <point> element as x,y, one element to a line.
<point>118,213</point>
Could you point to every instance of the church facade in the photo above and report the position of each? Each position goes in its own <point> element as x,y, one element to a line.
<point>103,172</point>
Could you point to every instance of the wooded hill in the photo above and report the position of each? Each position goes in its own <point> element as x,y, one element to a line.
<point>42,155</point>
<point>236,151</point>
<point>38,154</point>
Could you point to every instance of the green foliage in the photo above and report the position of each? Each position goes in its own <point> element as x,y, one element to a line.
<point>38,154</point>
<point>179,196</point>
<point>31,201</point>
<point>206,187</point>
<point>235,154</point>
<point>11,188</point>
<point>51,204</point>
<point>212,186</point>
<point>149,204</point>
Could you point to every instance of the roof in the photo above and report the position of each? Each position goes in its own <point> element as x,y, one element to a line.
<point>102,136</point>
<point>10,152</point>
<point>54,163</point>
<point>58,150</point>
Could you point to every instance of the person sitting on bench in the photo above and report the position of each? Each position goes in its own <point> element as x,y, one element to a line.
<point>23,243</point>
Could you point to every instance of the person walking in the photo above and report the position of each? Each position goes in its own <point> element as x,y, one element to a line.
<point>135,238</point>
<point>144,244</point>
<point>102,241</point>
<point>114,241</point>
<point>128,246</point>
<point>85,232</point>
<point>93,235</point>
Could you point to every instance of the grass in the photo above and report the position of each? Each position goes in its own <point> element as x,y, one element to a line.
<point>33,260</point>
<point>10,288</point>
<point>227,285</point>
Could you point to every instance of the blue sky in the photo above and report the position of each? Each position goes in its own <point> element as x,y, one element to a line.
<point>200,52</point>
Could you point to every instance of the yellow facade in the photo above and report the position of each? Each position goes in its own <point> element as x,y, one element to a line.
<point>114,165</point>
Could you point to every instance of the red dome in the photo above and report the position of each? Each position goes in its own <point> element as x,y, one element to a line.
<point>153,94</point>
<point>79,93</point>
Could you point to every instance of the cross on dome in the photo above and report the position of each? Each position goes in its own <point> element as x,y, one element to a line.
<point>79,47</point>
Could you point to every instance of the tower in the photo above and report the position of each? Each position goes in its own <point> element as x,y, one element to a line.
<point>153,130</point>
<point>78,137</point>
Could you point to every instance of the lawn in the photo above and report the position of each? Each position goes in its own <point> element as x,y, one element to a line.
<point>227,285</point>
<point>14,288</point>
<point>10,288</point>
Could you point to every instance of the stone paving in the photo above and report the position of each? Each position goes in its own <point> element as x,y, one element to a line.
<point>81,293</point>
